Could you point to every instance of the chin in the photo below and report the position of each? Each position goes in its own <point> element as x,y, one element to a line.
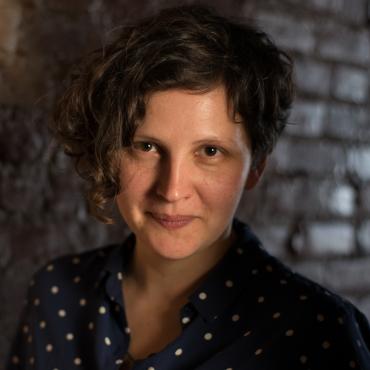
<point>172,250</point>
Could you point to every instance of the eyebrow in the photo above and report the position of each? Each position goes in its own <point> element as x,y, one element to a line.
<point>206,140</point>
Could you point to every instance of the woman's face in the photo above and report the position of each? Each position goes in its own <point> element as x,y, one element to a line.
<point>190,159</point>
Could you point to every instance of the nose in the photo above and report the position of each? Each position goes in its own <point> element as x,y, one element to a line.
<point>173,181</point>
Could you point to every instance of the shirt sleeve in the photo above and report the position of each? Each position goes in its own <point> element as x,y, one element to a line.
<point>28,349</point>
<point>337,339</point>
<point>321,337</point>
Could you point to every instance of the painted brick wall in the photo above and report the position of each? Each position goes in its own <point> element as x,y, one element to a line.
<point>312,208</point>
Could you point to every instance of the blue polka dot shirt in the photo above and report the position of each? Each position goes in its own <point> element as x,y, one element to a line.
<point>251,312</point>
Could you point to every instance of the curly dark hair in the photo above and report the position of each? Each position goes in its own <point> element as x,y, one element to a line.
<point>189,47</point>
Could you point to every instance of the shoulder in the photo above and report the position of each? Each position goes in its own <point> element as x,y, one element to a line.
<point>299,295</point>
<point>271,278</point>
<point>70,270</point>
<point>318,323</point>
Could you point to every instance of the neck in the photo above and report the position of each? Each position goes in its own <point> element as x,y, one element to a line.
<point>174,280</point>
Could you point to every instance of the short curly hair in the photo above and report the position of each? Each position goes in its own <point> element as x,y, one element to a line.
<point>189,47</point>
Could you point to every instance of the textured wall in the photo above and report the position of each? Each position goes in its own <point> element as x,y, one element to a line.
<point>313,206</point>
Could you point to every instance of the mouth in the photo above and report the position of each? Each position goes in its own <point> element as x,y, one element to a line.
<point>172,221</point>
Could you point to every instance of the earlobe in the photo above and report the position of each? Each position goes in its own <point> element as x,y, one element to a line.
<point>255,174</point>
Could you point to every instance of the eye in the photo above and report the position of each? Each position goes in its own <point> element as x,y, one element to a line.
<point>144,146</point>
<point>211,151</point>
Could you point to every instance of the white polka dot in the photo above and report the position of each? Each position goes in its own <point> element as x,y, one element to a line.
<point>178,352</point>
<point>54,289</point>
<point>69,336</point>
<point>208,336</point>
<point>82,302</point>
<point>303,359</point>
<point>185,320</point>
<point>151,368</point>
<point>326,344</point>
<point>229,283</point>
<point>62,313</point>
<point>31,360</point>
<point>289,332</point>
<point>276,315</point>
<point>261,299</point>
<point>119,361</point>
<point>29,339</point>
<point>91,326</point>
<point>26,329</point>
<point>229,368</point>
<point>75,260</point>
<point>50,268</point>
<point>202,296</point>
<point>49,347</point>
<point>107,341</point>
<point>303,297</point>
<point>235,317</point>
<point>247,333</point>
<point>258,351</point>
<point>15,360</point>
<point>119,276</point>
<point>127,330</point>
<point>102,310</point>
<point>42,324</point>
<point>77,361</point>
<point>76,279</point>
<point>36,301</point>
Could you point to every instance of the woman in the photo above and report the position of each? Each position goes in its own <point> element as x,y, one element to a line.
<point>173,122</point>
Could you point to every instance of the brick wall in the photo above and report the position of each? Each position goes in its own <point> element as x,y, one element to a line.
<point>312,208</point>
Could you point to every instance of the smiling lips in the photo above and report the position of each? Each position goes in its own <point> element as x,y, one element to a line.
<point>172,222</point>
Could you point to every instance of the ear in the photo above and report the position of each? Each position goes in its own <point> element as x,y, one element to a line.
<point>255,174</point>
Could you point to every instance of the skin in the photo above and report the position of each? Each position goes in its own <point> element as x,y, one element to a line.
<point>189,158</point>
<point>168,170</point>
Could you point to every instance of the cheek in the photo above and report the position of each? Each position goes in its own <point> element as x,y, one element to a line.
<point>135,184</point>
<point>133,178</point>
<point>224,188</point>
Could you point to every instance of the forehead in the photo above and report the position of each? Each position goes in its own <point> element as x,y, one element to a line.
<point>190,113</point>
<point>212,101</point>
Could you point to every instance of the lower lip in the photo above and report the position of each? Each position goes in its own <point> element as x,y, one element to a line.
<point>172,224</point>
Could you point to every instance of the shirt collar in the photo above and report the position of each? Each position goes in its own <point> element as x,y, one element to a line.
<point>223,283</point>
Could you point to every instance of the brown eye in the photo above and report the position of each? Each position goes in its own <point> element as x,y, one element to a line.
<point>211,151</point>
<point>143,146</point>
